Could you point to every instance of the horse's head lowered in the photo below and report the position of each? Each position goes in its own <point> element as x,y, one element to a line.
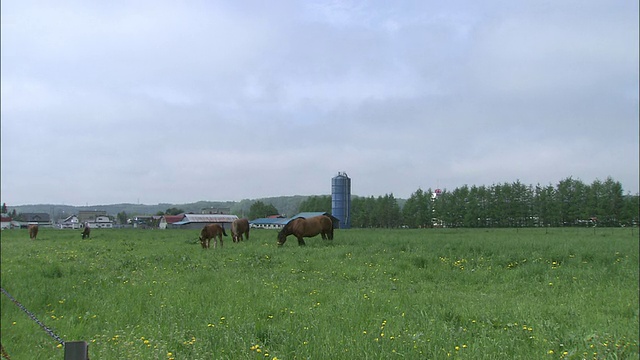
<point>286,231</point>
<point>282,236</point>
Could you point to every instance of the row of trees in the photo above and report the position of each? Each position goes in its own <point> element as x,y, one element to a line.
<point>13,214</point>
<point>570,203</point>
<point>261,210</point>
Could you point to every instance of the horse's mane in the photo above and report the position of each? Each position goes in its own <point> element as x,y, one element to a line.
<point>287,226</point>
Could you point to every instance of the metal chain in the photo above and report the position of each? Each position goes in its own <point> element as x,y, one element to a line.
<point>34,318</point>
<point>4,353</point>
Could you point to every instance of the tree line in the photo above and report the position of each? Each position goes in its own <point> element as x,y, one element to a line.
<point>570,203</point>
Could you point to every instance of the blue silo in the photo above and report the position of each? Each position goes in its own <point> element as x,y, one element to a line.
<point>341,199</point>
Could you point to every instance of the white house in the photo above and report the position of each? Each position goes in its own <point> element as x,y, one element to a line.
<point>101,222</point>
<point>71,222</point>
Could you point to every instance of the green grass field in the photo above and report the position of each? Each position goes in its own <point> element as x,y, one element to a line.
<point>368,294</point>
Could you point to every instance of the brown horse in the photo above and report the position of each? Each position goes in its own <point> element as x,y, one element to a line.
<point>211,231</point>
<point>301,227</point>
<point>239,227</point>
<point>33,231</point>
<point>86,232</point>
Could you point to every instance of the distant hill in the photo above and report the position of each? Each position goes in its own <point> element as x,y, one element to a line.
<point>287,205</point>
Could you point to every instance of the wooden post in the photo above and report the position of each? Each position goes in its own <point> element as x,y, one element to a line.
<point>76,350</point>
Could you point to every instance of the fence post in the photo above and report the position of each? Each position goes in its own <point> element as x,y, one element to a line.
<point>76,350</point>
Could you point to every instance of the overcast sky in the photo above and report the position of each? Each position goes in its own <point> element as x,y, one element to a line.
<point>150,102</point>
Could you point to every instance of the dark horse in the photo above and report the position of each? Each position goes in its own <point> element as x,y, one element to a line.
<point>211,231</point>
<point>301,227</point>
<point>86,232</point>
<point>239,227</point>
<point>33,231</point>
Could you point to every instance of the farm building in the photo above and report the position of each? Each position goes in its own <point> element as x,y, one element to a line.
<point>341,200</point>
<point>90,215</point>
<point>142,221</point>
<point>41,219</point>
<point>198,221</point>
<point>269,223</point>
<point>167,220</point>
<point>100,222</point>
<point>72,222</point>
<point>5,221</point>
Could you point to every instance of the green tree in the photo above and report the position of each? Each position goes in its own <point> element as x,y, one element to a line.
<point>521,204</point>
<point>475,212</point>
<point>595,201</point>
<point>497,206</point>
<point>458,206</point>
<point>630,210</point>
<point>173,211</point>
<point>261,210</point>
<point>359,217</point>
<point>364,212</point>
<point>441,208</point>
<point>570,196</point>
<point>546,207</point>
<point>505,205</point>
<point>357,212</point>
<point>388,212</point>
<point>4,208</point>
<point>122,217</point>
<point>614,202</point>
<point>417,210</point>
<point>320,203</point>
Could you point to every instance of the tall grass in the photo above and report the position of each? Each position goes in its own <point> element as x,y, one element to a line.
<point>368,294</point>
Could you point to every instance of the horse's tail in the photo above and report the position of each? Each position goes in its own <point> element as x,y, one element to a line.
<point>223,233</point>
<point>330,232</point>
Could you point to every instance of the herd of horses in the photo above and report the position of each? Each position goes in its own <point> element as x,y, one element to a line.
<point>298,227</point>
<point>33,231</point>
<point>239,228</point>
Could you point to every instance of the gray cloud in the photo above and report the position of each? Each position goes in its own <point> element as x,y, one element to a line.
<point>171,102</point>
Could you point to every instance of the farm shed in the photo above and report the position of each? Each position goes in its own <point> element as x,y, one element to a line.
<point>198,221</point>
<point>167,220</point>
<point>41,219</point>
<point>268,223</point>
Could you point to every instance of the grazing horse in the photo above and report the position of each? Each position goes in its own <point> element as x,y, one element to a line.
<point>86,232</point>
<point>301,227</point>
<point>33,231</point>
<point>211,231</point>
<point>239,227</point>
